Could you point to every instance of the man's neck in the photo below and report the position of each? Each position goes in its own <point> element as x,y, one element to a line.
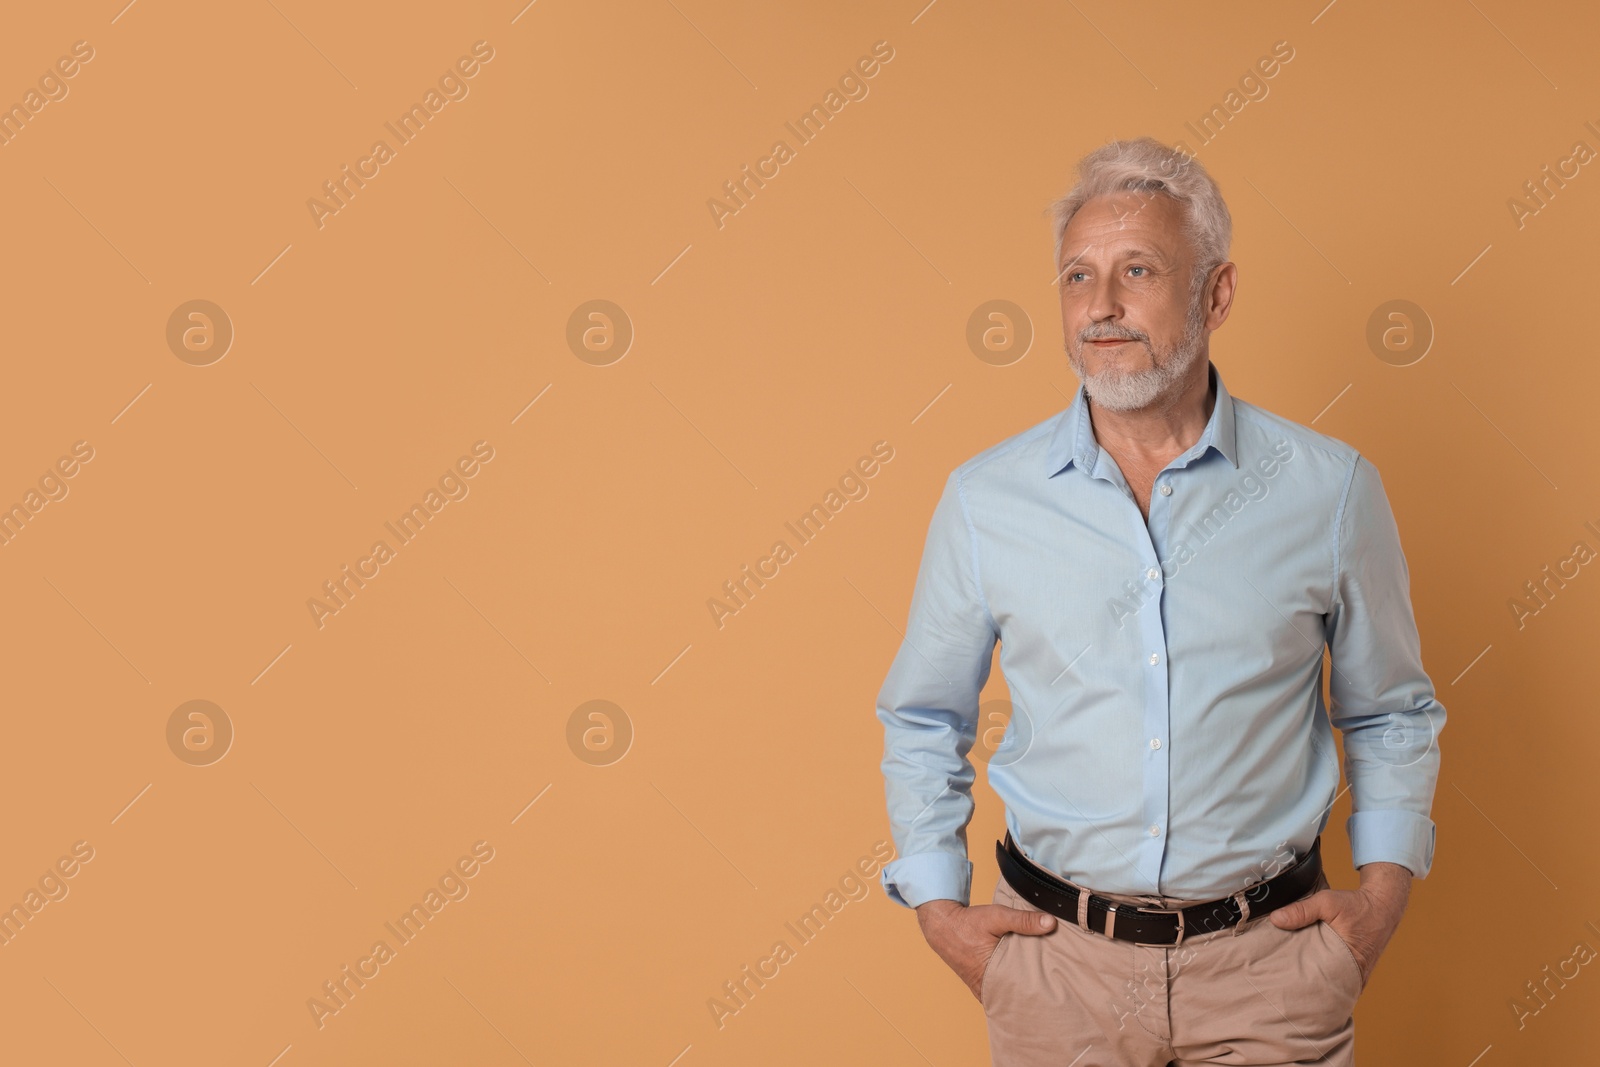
<point>1163,429</point>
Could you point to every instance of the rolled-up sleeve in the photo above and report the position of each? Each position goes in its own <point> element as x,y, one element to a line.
<point>929,709</point>
<point>1383,700</point>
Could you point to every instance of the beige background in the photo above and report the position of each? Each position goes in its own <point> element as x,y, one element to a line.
<point>828,314</point>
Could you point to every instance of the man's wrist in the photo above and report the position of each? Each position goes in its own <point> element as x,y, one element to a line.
<point>1388,881</point>
<point>937,908</point>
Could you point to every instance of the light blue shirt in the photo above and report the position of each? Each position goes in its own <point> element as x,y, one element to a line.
<point>1168,734</point>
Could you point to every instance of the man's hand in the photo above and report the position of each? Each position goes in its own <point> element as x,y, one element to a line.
<point>1365,918</point>
<point>965,937</point>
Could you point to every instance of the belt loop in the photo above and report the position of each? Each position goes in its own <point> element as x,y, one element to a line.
<point>1083,908</point>
<point>1111,920</point>
<point>1244,911</point>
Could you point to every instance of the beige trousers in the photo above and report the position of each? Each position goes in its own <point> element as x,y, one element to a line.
<point>1251,994</point>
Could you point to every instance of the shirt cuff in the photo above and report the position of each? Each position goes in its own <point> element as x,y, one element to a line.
<point>1392,836</point>
<point>913,880</point>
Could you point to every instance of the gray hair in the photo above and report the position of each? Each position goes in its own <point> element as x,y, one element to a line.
<point>1146,165</point>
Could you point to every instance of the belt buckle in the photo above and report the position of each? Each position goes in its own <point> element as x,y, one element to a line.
<point>1162,911</point>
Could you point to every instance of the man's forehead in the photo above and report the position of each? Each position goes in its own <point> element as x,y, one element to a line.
<point>1122,224</point>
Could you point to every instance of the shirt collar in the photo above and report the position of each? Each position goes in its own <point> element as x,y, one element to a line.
<point>1073,440</point>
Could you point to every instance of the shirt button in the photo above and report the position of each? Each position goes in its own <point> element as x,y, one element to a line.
<point>1155,742</point>
<point>1155,831</point>
<point>1166,489</point>
<point>1152,574</point>
<point>1155,658</point>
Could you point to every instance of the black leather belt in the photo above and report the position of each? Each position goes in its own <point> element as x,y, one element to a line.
<point>1154,926</point>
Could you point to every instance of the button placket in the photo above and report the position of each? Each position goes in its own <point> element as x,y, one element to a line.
<point>1157,709</point>
<point>1156,771</point>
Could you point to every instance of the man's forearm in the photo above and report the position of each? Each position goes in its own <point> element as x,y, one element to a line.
<point>1388,882</point>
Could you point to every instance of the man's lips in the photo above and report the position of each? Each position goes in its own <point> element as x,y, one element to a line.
<point>1111,342</point>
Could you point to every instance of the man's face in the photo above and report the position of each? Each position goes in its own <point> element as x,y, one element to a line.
<point>1132,331</point>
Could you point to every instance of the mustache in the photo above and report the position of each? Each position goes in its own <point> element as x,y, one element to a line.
<point>1110,333</point>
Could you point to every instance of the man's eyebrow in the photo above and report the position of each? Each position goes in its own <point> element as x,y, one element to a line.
<point>1127,253</point>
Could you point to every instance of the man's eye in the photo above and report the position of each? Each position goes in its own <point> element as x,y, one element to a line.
<point>1075,275</point>
<point>1136,268</point>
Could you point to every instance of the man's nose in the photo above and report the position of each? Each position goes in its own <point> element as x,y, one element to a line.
<point>1105,301</point>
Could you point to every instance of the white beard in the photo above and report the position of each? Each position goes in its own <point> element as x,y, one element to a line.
<point>1131,390</point>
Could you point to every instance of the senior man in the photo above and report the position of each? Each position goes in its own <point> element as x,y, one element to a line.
<point>1164,566</point>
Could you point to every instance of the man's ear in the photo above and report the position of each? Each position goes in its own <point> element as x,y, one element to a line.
<point>1221,288</point>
